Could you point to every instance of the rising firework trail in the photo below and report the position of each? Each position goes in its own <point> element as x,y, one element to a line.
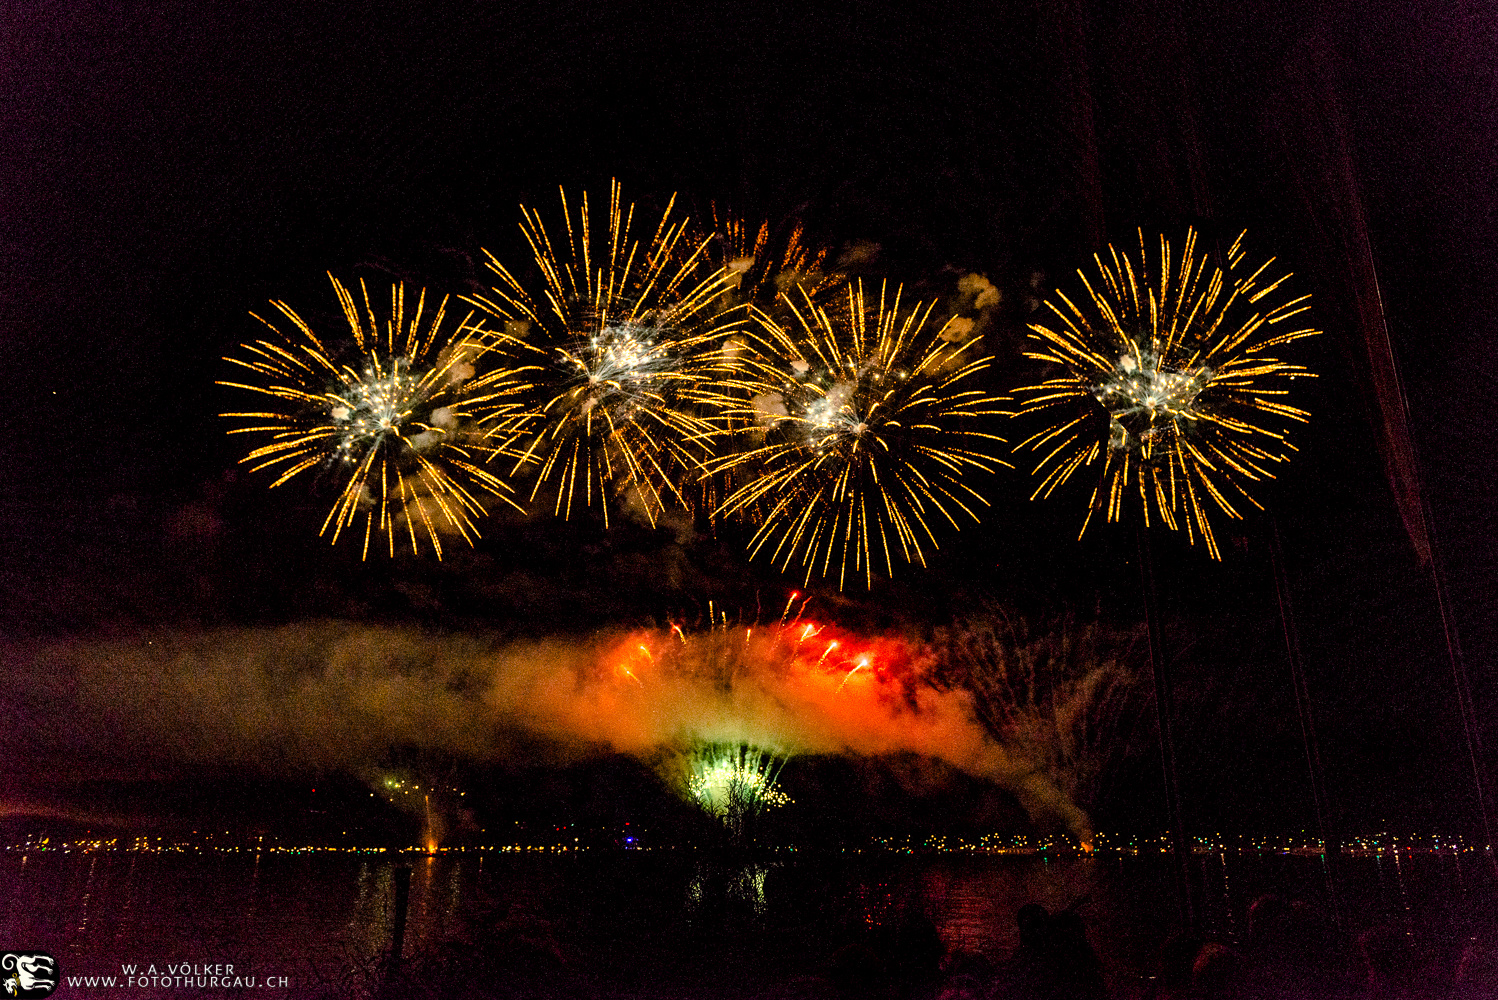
<point>1167,389</point>
<point>862,426</point>
<point>617,339</point>
<point>401,415</point>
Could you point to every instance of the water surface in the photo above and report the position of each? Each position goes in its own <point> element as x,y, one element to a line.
<point>676,923</point>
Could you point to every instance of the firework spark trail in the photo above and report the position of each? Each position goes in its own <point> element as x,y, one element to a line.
<point>1065,697</point>
<point>404,420</point>
<point>1167,384</point>
<point>765,263</point>
<point>862,664</point>
<point>765,267</point>
<point>732,782</point>
<point>863,428</point>
<point>619,345</point>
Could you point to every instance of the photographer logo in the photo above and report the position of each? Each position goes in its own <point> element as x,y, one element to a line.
<point>27,974</point>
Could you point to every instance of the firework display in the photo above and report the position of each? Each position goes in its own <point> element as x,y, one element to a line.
<point>764,264</point>
<point>618,345</point>
<point>863,425</point>
<point>733,781</point>
<point>731,777</point>
<point>401,415</point>
<point>1167,388</point>
<point>733,700</point>
<point>1062,697</point>
<point>723,370</point>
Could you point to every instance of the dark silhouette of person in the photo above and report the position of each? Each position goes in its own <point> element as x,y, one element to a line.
<point>1217,973</point>
<point>1054,959</point>
<point>1393,969</point>
<point>1024,974</point>
<point>1076,970</point>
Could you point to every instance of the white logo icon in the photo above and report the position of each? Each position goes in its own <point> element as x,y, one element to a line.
<point>30,975</point>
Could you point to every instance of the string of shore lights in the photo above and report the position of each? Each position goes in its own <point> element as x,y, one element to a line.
<point>675,365</point>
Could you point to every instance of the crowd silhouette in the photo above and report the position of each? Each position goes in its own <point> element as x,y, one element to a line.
<point>1291,951</point>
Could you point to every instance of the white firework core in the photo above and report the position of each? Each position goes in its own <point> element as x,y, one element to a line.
<point>620,366</point>
<point>375,405</point>
<point>831,411</point>
<point>1142,397</point>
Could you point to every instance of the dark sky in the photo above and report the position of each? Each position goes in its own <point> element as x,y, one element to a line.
<point>164,168</point>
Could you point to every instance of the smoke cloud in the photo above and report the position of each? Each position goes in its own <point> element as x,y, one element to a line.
<point>338,695</point>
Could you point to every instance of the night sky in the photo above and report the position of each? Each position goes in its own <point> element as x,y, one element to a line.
<point>165,168</point>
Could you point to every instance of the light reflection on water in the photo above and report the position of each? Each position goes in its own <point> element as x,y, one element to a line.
<point>314,917</point>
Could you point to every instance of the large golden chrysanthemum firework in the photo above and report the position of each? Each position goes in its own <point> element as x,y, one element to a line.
<point>618,343</point>
<point>865,423</point>
<point>1167,390</point>
<point>400,415</point>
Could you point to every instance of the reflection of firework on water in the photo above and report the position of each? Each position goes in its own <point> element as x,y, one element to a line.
<point>616,342</point>
<point>864,427</point>
<point>1168,388</point>
<point>401,420</point>
<point>732,782</point>
<point>716,887</point>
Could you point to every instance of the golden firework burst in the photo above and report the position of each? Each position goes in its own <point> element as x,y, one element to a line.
<point>864,423</point>
<point>764,264</point>
<point>618,344</point>
<point>1167,387</point>
<point>401,415</point>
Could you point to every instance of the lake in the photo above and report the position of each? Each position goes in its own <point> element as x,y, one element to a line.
<point>656,923</point>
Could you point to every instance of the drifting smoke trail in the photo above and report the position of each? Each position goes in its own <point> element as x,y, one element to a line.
<point>334,695</point>
<point>1063,697</point>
